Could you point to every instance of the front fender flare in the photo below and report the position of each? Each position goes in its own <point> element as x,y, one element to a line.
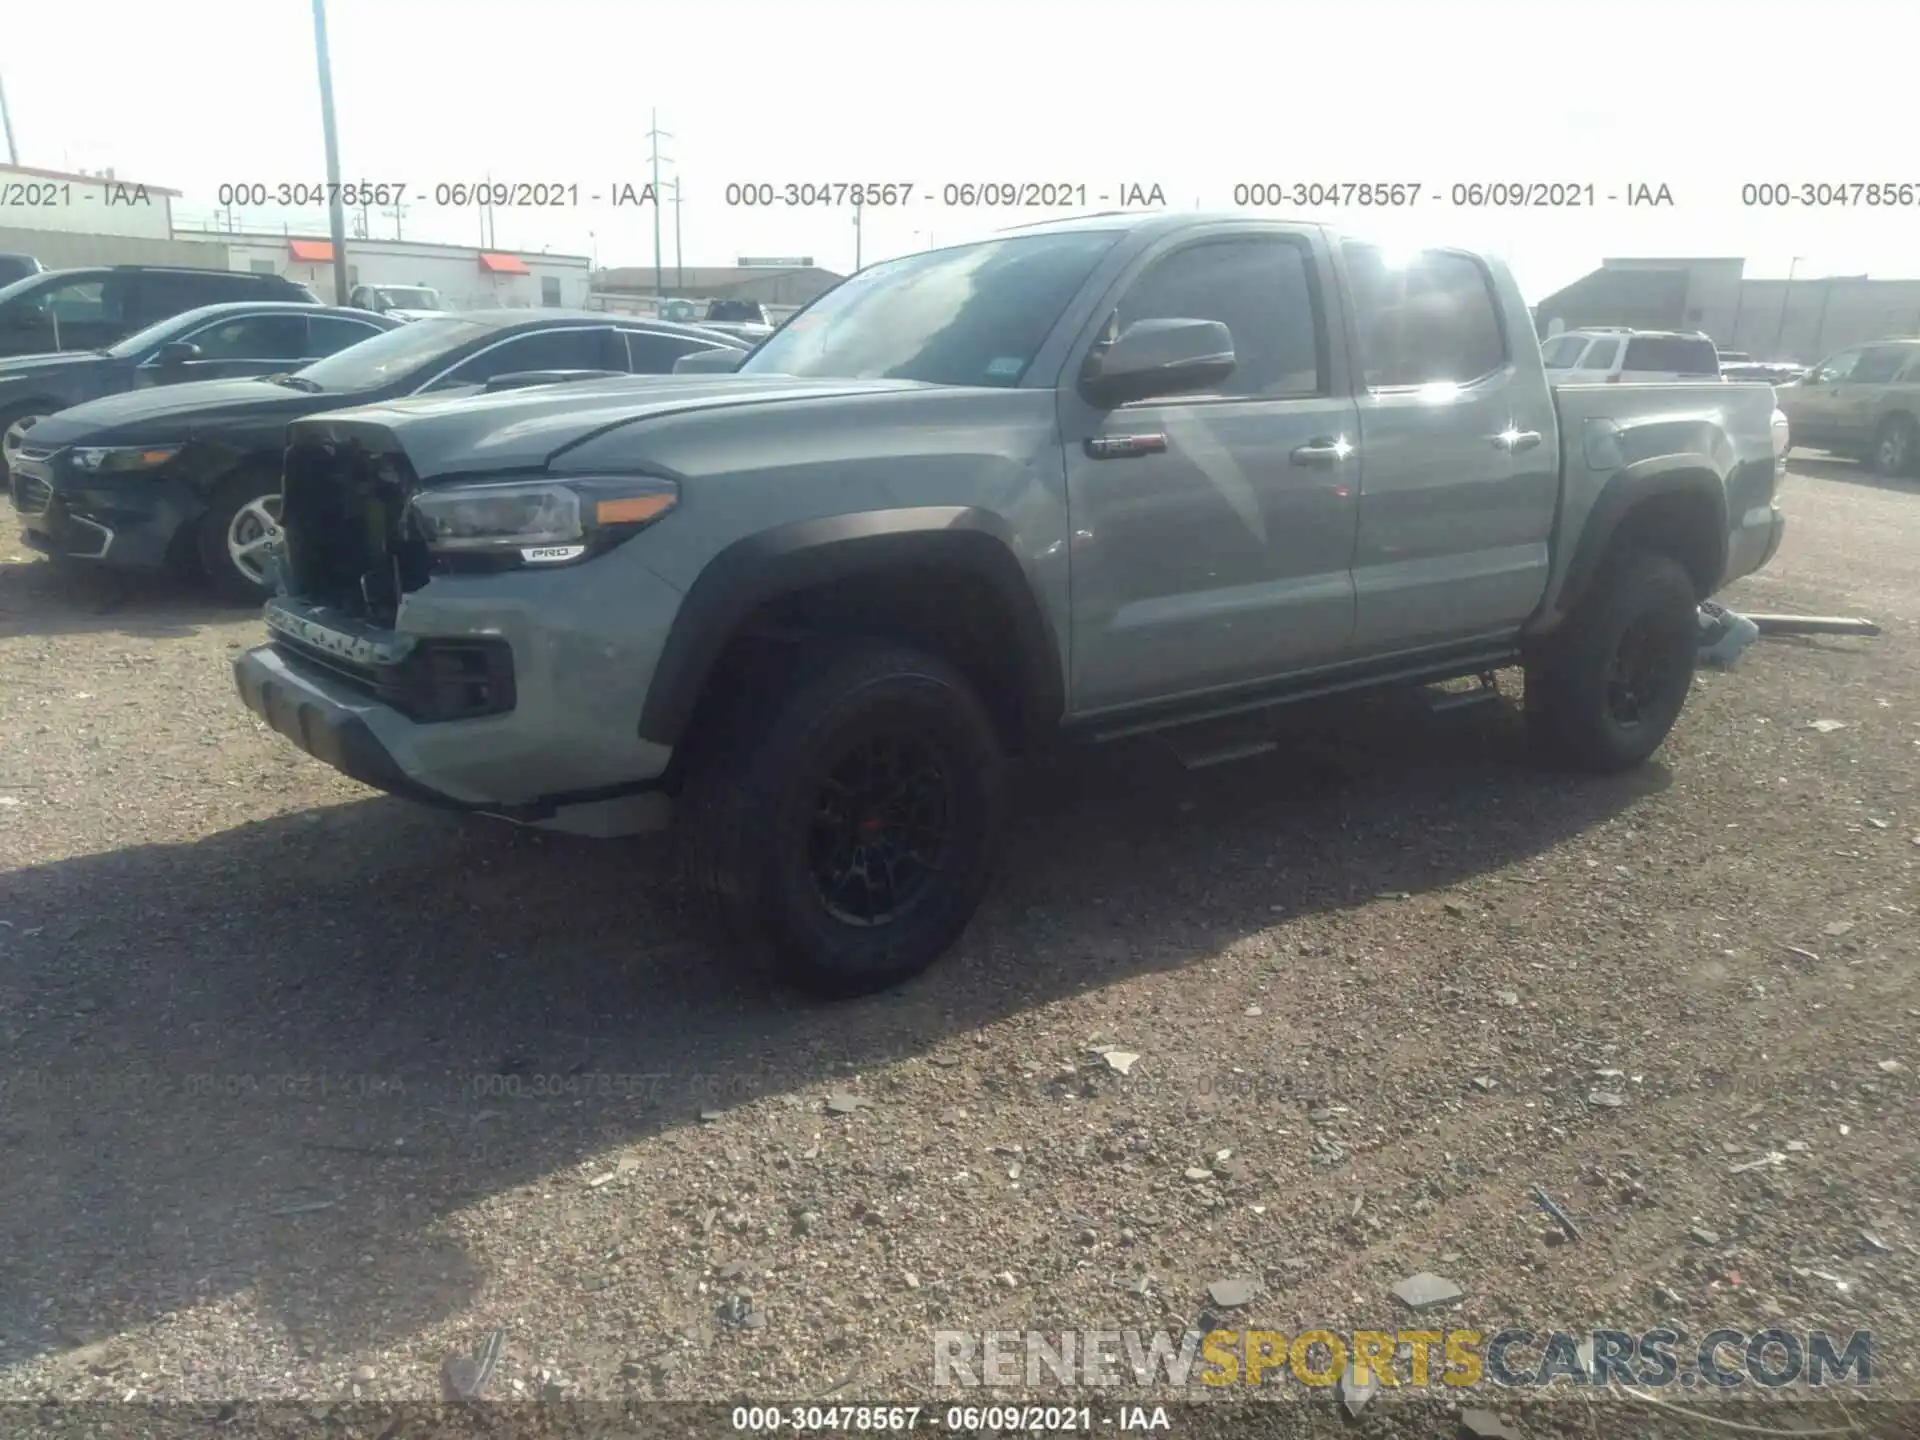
<point>793,557</point>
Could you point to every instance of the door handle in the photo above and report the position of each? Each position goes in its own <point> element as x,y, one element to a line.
<point>1322,452</point>
<point>1514,442</point>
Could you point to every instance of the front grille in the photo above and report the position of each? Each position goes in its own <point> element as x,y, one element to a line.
<point>341,512</point>
<point>438,680</point>
<point>31,494</point>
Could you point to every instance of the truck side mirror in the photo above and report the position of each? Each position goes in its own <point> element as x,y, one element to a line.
<point>1157,357</point>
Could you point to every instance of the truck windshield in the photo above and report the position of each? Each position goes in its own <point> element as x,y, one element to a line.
<point>392,355</point>
<point>410,299</point>
<point>972,315</point>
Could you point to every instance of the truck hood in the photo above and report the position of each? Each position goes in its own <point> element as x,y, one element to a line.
<point>142,417</point>
<point>528,429</point>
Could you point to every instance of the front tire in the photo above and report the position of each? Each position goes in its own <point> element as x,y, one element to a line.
<point>844,824</point>
<point>1607,690</point>
<point>237,536</point>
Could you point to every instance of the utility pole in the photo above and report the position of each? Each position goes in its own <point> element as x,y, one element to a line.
<point>6,122</point>
<point>336,215</point>
<point>679,272</point>
<point>1786,300</point>
<point>856,233</point>
<point>655,135</point>
<point>394,214</point>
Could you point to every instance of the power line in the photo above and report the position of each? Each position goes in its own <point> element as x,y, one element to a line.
<point>655,135</point>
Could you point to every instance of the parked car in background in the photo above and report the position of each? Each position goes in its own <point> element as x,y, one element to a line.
<point>1863,403</point>
<point>215,342</point>
<point>737,312</point>
<point>402,302</point>
<point>190,475</point>
<point>92,307</point>
<point>17,267</point>
<point>1131,473</point>
<point>1631,357</point>
<point>1770,372</point>
<point>752,334</point>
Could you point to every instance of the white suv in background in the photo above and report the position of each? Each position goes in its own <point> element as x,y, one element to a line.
<point>1629,356</point>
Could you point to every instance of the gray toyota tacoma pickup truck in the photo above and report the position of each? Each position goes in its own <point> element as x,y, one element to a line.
<point>1092,477</point>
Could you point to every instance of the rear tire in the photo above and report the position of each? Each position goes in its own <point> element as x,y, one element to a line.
<point>842,822</point>
<point>231,536</point>
<point>1896,448</point>
<point>1607,690</point>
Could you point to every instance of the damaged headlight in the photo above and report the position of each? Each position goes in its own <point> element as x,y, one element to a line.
<point>123,459</point>
<point>538,522</point>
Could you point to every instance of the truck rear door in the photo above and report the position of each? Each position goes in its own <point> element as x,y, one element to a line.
<point>1213,533</point>
<point>1458,470</point>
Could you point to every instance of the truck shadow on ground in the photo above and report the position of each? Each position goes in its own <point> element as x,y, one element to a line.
<point>40,597</point>
<point>277,1060</point>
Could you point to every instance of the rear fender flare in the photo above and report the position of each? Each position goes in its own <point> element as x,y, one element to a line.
<point>1632,487</point>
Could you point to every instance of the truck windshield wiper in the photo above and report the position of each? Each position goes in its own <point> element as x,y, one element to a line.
<point>297,382</point>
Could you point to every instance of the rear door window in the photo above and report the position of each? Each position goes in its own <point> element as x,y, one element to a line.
<point>1673,355</point>
<point>328,333</point>
<point>1433,320</point>
<point>652,352</point>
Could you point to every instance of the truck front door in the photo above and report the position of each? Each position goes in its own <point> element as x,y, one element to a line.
<point>1213,533</point>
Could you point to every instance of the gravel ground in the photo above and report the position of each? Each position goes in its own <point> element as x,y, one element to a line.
<point>308,1089</point>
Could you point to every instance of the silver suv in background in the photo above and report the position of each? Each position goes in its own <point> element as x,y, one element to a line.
<point>401,302</point>
<point>1631,357</point>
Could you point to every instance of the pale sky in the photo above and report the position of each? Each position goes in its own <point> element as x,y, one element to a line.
<point>1195,97</point>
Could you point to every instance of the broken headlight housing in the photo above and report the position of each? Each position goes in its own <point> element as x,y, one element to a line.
<point>507,524</point>
<point>122,459</point>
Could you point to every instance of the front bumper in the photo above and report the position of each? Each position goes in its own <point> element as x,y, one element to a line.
<point>583,647</point>
<point>128,524</point>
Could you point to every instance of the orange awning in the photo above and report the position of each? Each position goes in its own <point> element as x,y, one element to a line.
<point>314,252</point>
<point>503,264</point>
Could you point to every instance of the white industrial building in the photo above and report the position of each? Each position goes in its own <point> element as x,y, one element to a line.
<point>467,278</point>
<point>86,203</point>
<point>80,218</point>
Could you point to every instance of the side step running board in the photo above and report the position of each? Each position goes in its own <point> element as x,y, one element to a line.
<point>1486,692</point>
<point>1199,757</point>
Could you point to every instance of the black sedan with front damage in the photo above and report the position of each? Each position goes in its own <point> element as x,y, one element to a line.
<point>189,476</point>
